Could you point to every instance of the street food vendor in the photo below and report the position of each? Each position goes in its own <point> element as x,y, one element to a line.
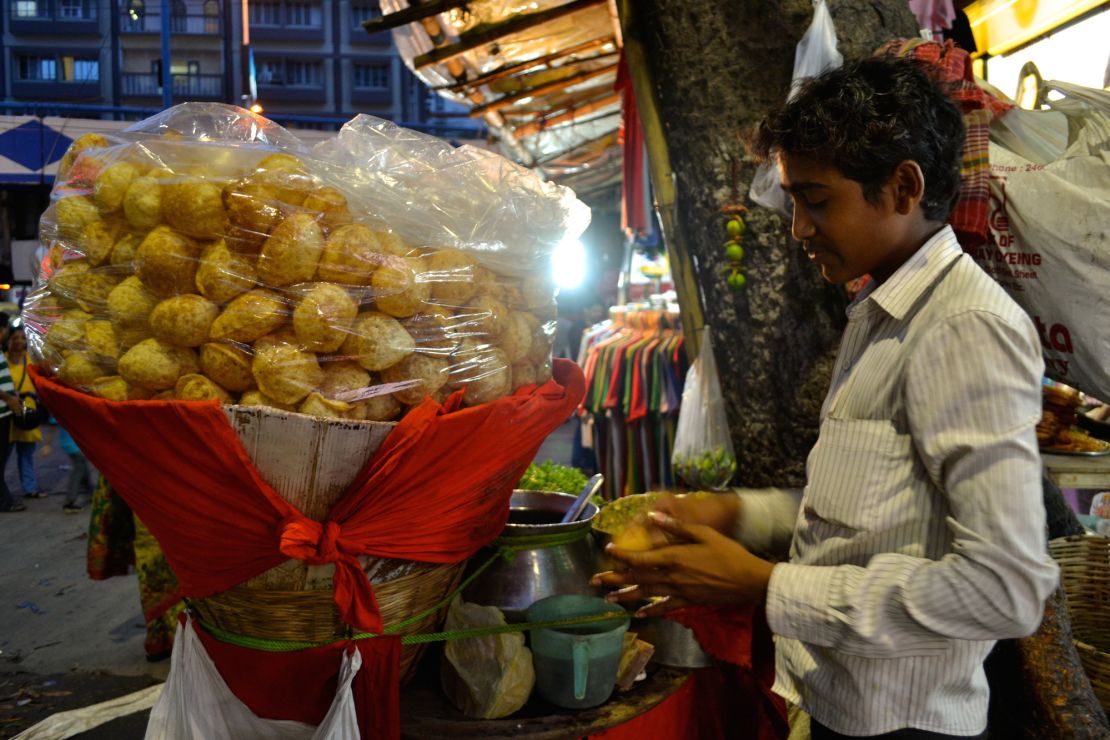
<point>919,540</point>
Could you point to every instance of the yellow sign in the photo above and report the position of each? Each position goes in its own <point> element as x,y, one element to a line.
<point>1001,25</point>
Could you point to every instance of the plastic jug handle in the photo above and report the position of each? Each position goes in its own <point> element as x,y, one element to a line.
<point>581,668</point>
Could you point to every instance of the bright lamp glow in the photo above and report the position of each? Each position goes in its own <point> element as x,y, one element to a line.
<point>568,264</point>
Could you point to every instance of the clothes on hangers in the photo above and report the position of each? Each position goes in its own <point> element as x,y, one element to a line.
<point>635,366</point>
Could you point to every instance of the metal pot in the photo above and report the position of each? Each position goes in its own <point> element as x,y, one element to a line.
<point>675,645</point>
<point>554,558</point>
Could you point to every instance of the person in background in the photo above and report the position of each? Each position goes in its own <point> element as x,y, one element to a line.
<point>11,405</point>
<point>919,539</point>
<point>81,481</point>
<point>23,440</point>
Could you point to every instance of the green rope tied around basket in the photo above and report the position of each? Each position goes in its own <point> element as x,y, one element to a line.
<point>506,548</point>
<point>282,646</point>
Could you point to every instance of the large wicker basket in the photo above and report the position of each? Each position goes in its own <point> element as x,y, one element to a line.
<point>1085,576</point>
<point>310,462</point>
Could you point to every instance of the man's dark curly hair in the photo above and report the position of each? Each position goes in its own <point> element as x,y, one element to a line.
<point>864,119</point>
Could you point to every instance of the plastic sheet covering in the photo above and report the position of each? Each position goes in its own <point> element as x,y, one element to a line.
<point>197,704</point>
<point>568,137</point>
<point>207,253</point>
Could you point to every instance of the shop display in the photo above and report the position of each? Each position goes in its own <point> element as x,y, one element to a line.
<point>1057,431</point>
<point>207,255</point>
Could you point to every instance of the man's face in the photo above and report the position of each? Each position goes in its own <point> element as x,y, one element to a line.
<point>844,233</point>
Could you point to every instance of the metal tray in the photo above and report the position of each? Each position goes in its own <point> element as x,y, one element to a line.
<point>1075,453</point>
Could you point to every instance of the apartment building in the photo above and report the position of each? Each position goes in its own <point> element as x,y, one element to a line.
<point>312,60</point>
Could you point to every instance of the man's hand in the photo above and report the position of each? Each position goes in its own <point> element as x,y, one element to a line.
<point>15,403</point>
<point>705,567</point>
<point>716,510</point>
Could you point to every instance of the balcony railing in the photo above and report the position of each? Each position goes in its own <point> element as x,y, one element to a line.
<point>191,87</point>
<point>47,18</point>
<point>189,24</point>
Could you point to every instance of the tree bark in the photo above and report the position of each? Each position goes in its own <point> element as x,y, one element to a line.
<point>716,67</point>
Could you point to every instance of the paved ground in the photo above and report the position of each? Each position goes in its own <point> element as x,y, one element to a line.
<point>66,641</point>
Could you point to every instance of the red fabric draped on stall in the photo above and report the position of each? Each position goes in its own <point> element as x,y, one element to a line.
<point>181,468</point>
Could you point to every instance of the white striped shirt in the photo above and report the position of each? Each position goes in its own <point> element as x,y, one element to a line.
<point>920,538</point>
<point>6,386</point>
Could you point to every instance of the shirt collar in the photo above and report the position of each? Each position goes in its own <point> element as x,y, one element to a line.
<point>916,275</point>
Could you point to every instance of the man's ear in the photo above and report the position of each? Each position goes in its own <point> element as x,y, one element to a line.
<point>908,183</point>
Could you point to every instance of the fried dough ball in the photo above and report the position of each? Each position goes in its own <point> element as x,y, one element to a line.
<point>398,290</point>
<point>184,320</point>
<point>466,360</point>
<point>65,283</point>
<point>382,407</point>
<point>196,387</point>
<point>377,341</point>
<point>524,373</point>
<point>124,251</point>
<point>327,408</point>
<point>79,369</point>
<point>331,205</point>
<point>252,315</point>
<point>491,380</point>
<point>284,372</point>
<point>342,377</point>
<point>111,185</point>
<point>256,397</point>
<point>245,243</point>
<point>228,364</point>
<point>431,372</point>
<point>194,207</point>
<point>392,244</point>
<point>350,256</point>
<point>130,303</point>
<point>543,336</point>
<point>73,214</point>
<point>290,254</point>
<point>80,144</point>
<point>115,388</point>
<point>287,176</point>
<point>68,331</point>
<point>252,206</point>
<point>163,396</point>
<point>322,319</point>
<point>516,337</point>
<point>101,339</point>
<point>98,239</point>
<point>543,371</point>
<point>167,262</point>
<point>142,203</point>
<point>432,330</point>
<point>451,276</point>
<point>223,275</point>
<point>130,336</point>
<point>156,365</point>
<point>96,286</point>
<point>487,315</point>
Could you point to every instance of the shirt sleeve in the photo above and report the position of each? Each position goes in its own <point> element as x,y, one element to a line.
<point>972,416</point>
<point>765,520</point>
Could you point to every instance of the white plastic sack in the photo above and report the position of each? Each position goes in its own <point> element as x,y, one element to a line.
<point>703,457</point>
<point>196,703</point>
<point>815,53</point>
<point>1050,240</point>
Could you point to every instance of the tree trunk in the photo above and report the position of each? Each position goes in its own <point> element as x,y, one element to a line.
<point>716,66</point>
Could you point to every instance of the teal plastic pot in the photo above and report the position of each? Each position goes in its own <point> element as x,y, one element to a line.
<point>576,667</point>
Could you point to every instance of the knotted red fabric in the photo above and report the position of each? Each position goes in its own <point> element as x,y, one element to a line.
<point>181,468</point>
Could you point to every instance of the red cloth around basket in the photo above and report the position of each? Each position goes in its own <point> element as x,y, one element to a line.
<point>181,468</point>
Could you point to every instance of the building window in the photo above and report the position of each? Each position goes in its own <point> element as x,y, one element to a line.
<point>37,68</point>
<point>271,73</point>
<point>265,14</point>
<point>371,76</point>
<point>211,16</point>
<point>302,15</point>
<point>72,9</point>
<point>362,12</point>
<point>307,74</point>
<point>26,9</point>
<point>80,70</point>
